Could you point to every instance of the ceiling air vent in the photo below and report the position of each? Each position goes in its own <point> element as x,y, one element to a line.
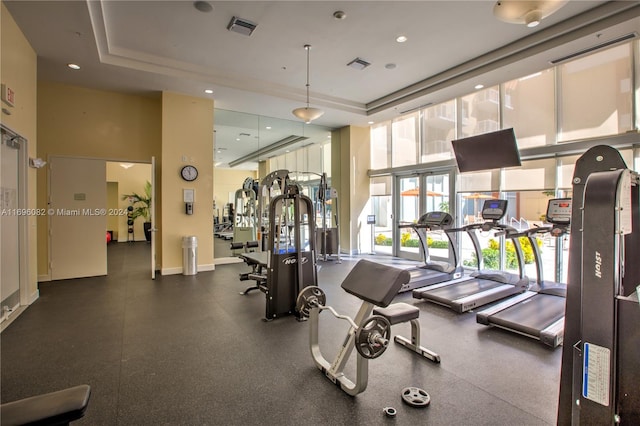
<point>358,64</point>
<point>591,49</point>
<point>241,26</point>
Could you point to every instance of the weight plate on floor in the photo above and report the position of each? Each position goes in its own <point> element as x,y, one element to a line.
<point>415,397</point>
<point>390,411</point>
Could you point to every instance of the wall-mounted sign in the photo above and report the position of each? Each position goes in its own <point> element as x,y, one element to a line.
<point>8,95</point>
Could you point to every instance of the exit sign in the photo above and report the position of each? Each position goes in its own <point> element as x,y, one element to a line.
<point>8,95</point>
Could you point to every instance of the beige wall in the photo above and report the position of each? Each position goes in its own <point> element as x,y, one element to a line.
<point>226,181</point>
<point>350,161</point>
<point>187,138</point>
<point>131,180</point>
<point>18,70</point>
<point>79,122</point>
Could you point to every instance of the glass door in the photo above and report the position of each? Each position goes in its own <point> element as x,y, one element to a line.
<point>417,195</point>
<point>436,198</point>
<point>406,243</point>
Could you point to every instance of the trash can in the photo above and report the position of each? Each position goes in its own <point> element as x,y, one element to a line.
<point>189,255</point>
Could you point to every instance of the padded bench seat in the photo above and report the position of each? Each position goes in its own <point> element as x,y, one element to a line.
<point>55,408</point>
<point>398,313</point>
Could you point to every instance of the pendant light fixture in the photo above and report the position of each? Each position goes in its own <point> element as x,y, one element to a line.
<point>529,13</point>
<point>307,114</point>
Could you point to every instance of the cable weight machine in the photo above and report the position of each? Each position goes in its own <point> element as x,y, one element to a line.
<point>600,363</point>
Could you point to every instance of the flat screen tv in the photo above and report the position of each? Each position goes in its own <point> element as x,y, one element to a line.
<point>487,151</point>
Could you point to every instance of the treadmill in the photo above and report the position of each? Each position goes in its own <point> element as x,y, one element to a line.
<point>432,272</point>
<point>481,287</point>
<point>538,314</point>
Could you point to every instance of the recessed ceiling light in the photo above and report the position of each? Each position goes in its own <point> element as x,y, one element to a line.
<point>478,86</point>
<point>268,127</point>
<point>74,66</point>
<point>237,139</point>
<point>338,14</point>
<point>203,6</point>
<point>209,91</point>
<point>370,122</point>
<point>401,39</point>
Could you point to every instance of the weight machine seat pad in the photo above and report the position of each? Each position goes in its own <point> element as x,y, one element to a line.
<point>398,313</point>
<point>375,283</point>
<point>55,408</point>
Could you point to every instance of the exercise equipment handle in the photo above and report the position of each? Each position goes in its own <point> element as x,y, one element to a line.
<point>337,315</point>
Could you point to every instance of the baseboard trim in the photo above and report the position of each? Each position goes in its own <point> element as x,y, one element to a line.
<point>34,296</point>
<point>171,271</point>
<point>44,278</point>
<point>178,270</point>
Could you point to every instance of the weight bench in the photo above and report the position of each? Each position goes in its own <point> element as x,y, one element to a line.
<point>258,262</point>
<point>398,313</point>
<point>51,409</point>
<point>246,246</point>
<point>375,285</point>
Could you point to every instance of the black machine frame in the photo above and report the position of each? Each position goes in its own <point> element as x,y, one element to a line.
<point>600,362</point>
<point>284,266</point>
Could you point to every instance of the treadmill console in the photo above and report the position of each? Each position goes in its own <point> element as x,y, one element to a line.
<point>494,209</point>
<point>559,211</point>
<point>436,219</point>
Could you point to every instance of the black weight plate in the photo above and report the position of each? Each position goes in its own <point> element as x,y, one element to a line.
<point>309,298</point>
<point>375,325</point>
<point>415,397</point>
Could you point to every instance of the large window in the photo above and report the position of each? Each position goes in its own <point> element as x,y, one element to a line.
<point>404,141</point>
<point>380,143</point>
<point>381,207</point>
<point>314,158</point>
<point>594,96</point>
<point>480,112</point>
<point>529,107</point>
<point>596,93</point>
<point>439,130</point>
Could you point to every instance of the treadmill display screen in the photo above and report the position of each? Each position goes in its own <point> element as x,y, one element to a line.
<point>494,209</point>
<point>436,219</point>
<point>559,211</point>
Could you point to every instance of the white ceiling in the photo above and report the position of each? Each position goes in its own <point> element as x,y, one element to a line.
<point>150,46</point>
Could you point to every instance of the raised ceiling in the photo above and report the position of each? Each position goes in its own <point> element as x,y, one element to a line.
<point>151,46</point>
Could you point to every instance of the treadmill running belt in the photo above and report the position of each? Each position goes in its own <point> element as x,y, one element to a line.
<point>532,315</point>
<point>459,290</point>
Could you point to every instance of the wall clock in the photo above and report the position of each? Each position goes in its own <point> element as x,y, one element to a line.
<point>189,173</point>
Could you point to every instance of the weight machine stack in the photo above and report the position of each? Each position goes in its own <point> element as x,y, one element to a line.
<point>292,259</point>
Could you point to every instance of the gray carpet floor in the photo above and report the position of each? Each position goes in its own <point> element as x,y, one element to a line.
<point>189,350</point>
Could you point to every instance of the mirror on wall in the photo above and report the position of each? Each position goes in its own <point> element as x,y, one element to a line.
<point>243,145</point>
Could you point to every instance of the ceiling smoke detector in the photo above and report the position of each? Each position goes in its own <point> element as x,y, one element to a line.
<point>241,26</point>
<point>358,64</point>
